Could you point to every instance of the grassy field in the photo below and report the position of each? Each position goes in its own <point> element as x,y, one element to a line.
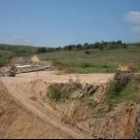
<point>97,61</point>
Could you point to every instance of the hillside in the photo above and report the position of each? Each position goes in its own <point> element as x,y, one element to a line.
<point>95,61</point>
<point>18,122</point>
<point>68,106</point>
<point>87,58</point>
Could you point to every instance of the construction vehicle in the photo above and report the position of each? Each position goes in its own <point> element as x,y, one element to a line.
<point>11,71</point>
<point>23,66</point>
<point>127,71</point>
<point>125,68</point>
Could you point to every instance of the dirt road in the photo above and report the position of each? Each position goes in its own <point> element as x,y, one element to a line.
<point>27,85</point>
<point>52,77</point>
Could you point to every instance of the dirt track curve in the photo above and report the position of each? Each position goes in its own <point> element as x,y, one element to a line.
<point>18,88</point>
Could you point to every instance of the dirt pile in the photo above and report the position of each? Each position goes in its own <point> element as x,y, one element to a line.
<point>16,122</point>
<point>83,110</point>
<point>118,123</point>
<point>92,115</point>
<point>77,115</point>
<point>37,86</point>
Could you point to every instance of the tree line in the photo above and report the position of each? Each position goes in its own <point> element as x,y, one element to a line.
<point>97,45</point>
<point>103,45</point>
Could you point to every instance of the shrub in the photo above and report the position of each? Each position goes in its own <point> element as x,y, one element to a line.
<point>62,92</point>
<point>116,86</point>
<point>85,65</point>
<point>121,80</point>
<point>54,93</point>
<point>41,50</point>
<point>87,52</point>
<point>105,66</point>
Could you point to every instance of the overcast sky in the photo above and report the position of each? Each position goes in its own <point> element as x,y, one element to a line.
<point>61,22</point>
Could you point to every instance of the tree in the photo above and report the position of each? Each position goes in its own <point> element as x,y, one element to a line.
<point>119,42</point>
<point>86,46</point>
<point>58,49</point>
<point>69,47</point>
<point>124,45</point>
<point>79,47</point>
<point>41,50</point>
<point>96,45</point>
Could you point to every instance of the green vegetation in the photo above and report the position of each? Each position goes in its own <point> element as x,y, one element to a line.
<point>95,61</point>
<point>81,58</point>
<point>124,88</point>
<point>62,92</point>
<point>97,45</point>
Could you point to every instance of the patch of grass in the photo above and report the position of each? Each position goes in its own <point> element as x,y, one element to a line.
<point>105,66</point>
<point>61,66</point>
<point>123,90</point>
<point>130,92</point>
<point>98,61</point>
<point>84,67</point>
<point>62,92</point>
<point>54,93</point>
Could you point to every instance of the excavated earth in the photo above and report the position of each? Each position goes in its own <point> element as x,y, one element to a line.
<point>27,112</point>
<point>18,122</point>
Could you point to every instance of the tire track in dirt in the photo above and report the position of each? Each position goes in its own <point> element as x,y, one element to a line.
<point>46,113</point>
<point>21,97</point>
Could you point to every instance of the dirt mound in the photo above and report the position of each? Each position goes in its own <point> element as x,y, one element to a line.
<point>85,109</point>
<point>16,122</point>
<point>38,86</point>
<point>92,115</point>
<point>119,123</point>
<point>76,115</point>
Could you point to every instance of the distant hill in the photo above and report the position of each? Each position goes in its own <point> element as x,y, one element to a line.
<point>8,51</point>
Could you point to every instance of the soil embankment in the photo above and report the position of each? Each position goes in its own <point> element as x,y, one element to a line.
<point>26,112</point>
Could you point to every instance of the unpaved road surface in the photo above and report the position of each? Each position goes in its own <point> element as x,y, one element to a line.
<point>17,122</point>
<point>22,88</point>
<point>52,77</point>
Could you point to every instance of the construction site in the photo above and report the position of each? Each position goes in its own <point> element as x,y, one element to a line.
<point>69,69</point>
<point>38,101</point>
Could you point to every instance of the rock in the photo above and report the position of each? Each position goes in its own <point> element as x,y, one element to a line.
<point>75,95</point>
<point>81,95</point>
<point>92,90</point>
<point>88,90</point>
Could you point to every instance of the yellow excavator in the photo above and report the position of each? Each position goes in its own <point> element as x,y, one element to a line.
<point>126,68</point>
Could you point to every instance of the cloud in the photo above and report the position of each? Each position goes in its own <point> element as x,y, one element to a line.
<point>133,17</point>
<point>136,29</point>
